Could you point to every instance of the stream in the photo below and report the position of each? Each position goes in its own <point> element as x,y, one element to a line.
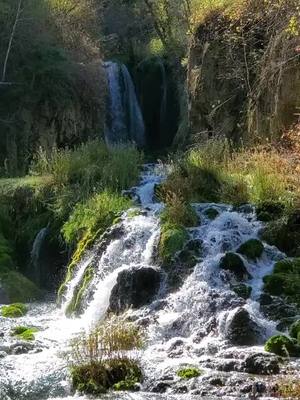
<point>186,326</point>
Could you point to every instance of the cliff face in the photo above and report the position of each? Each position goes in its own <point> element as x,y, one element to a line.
<point>244,75</point>
<point>70,114</point>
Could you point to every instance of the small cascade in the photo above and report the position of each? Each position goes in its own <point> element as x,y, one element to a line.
<point>36,254</point>
<point>124,117</point>
<point>192,324</point>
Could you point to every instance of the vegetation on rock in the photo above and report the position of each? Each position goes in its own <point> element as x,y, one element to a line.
<point>24,332</point>
<point>252,249</point>
<point>15,310</point>
<point>172,240</point>
<point>282,346</point>
<point>232,262</point>
<point>189,373</point>
<point>285,280</point>
<point>101,358</point>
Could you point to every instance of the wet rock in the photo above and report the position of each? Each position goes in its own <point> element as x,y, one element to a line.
<point>233,263</point>
<point>21,348</point>
<point>3,354</point>
<point>160,387</point>
<point>242,290</point>
<point>261,364</point>
<point>3,296</point>
<point>241,330</point>
<point>135,288</point>
<point>114,233</point>
<point>276,309</point>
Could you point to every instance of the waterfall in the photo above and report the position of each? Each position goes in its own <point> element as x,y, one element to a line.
<point>124,117</point>
<point>36,251</point>
<point>187,325</point>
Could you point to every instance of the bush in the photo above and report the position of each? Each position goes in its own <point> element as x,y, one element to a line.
<point>101,358</point>
<point>294,330</point>
<point>15,310</point>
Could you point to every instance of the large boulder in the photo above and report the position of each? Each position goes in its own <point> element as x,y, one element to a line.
<point>135,288</point>
<point>261,364</point>
<point>241,330</point>
<point>233,263</point>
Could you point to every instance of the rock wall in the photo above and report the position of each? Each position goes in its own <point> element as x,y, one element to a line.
<point>244,75</point>
<point>65,117</point>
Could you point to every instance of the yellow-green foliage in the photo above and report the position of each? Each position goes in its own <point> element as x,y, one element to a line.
<point>97,214</point>
<point>15,310</point>
<point>288,388</point>
<point>24,332</point>
<point>213,171</point>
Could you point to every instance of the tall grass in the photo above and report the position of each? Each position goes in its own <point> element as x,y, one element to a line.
<point>213,171</point>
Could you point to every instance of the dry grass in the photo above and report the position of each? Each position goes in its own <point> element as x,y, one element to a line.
<point>112,339</point>
<point>288,388</point>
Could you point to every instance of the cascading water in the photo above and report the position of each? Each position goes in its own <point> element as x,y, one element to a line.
<point>124,117</point>
<point>185,327</point>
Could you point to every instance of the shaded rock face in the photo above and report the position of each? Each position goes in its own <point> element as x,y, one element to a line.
<point>134,288</point>
<point>3,296</point>
<point>157,90</point>
<point>241,330</point>
<point>223,70</point>
<point>233,263</point>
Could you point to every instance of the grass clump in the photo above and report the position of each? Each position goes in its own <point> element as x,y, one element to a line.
<point>24,332</point>
<point>102,358</point>
<point>179,212</point>
<point>15,310</point>
<point>189,373</point>
<point>172,239</point>
<point>288,388</point>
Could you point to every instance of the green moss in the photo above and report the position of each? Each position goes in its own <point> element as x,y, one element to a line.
<point>15,310</point>
<point>135,212</point>
<point>285,280</point>
<point>282,346</point>
<point>172,240</point>
<point>75,305</point>
<point>97,378</point>
<point>294,329</point>
<point>211,213</point>
<point>23,332</point>
<point>252,249</point>
<point>127,385</point>
<point>178,212</point>
<point>243,291</point>
<point>188,373</point>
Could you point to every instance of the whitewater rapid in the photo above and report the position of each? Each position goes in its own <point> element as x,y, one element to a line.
<point>178,323</point>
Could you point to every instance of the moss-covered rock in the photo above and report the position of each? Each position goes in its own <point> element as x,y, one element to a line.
<point>285,280</point>
<point>172,240</point>
<point>233,262</point>
<point>24,332</point>
<point>15,310</point>
<point>179,213</point>
<point>97,378</point>
<point>282,346</point>
<point>189,372</point>
<point>18,288</point>
<point>242,290</point>
<point>252,249</point>
<point>294,329</point>
<point>211,213</point>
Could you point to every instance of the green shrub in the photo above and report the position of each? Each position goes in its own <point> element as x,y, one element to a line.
<point>23,332</point>
<point>252,249</point>
<point>190,372</point>
<point>282,346</point>
<point>172,240</point>
<point>15,310</point>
